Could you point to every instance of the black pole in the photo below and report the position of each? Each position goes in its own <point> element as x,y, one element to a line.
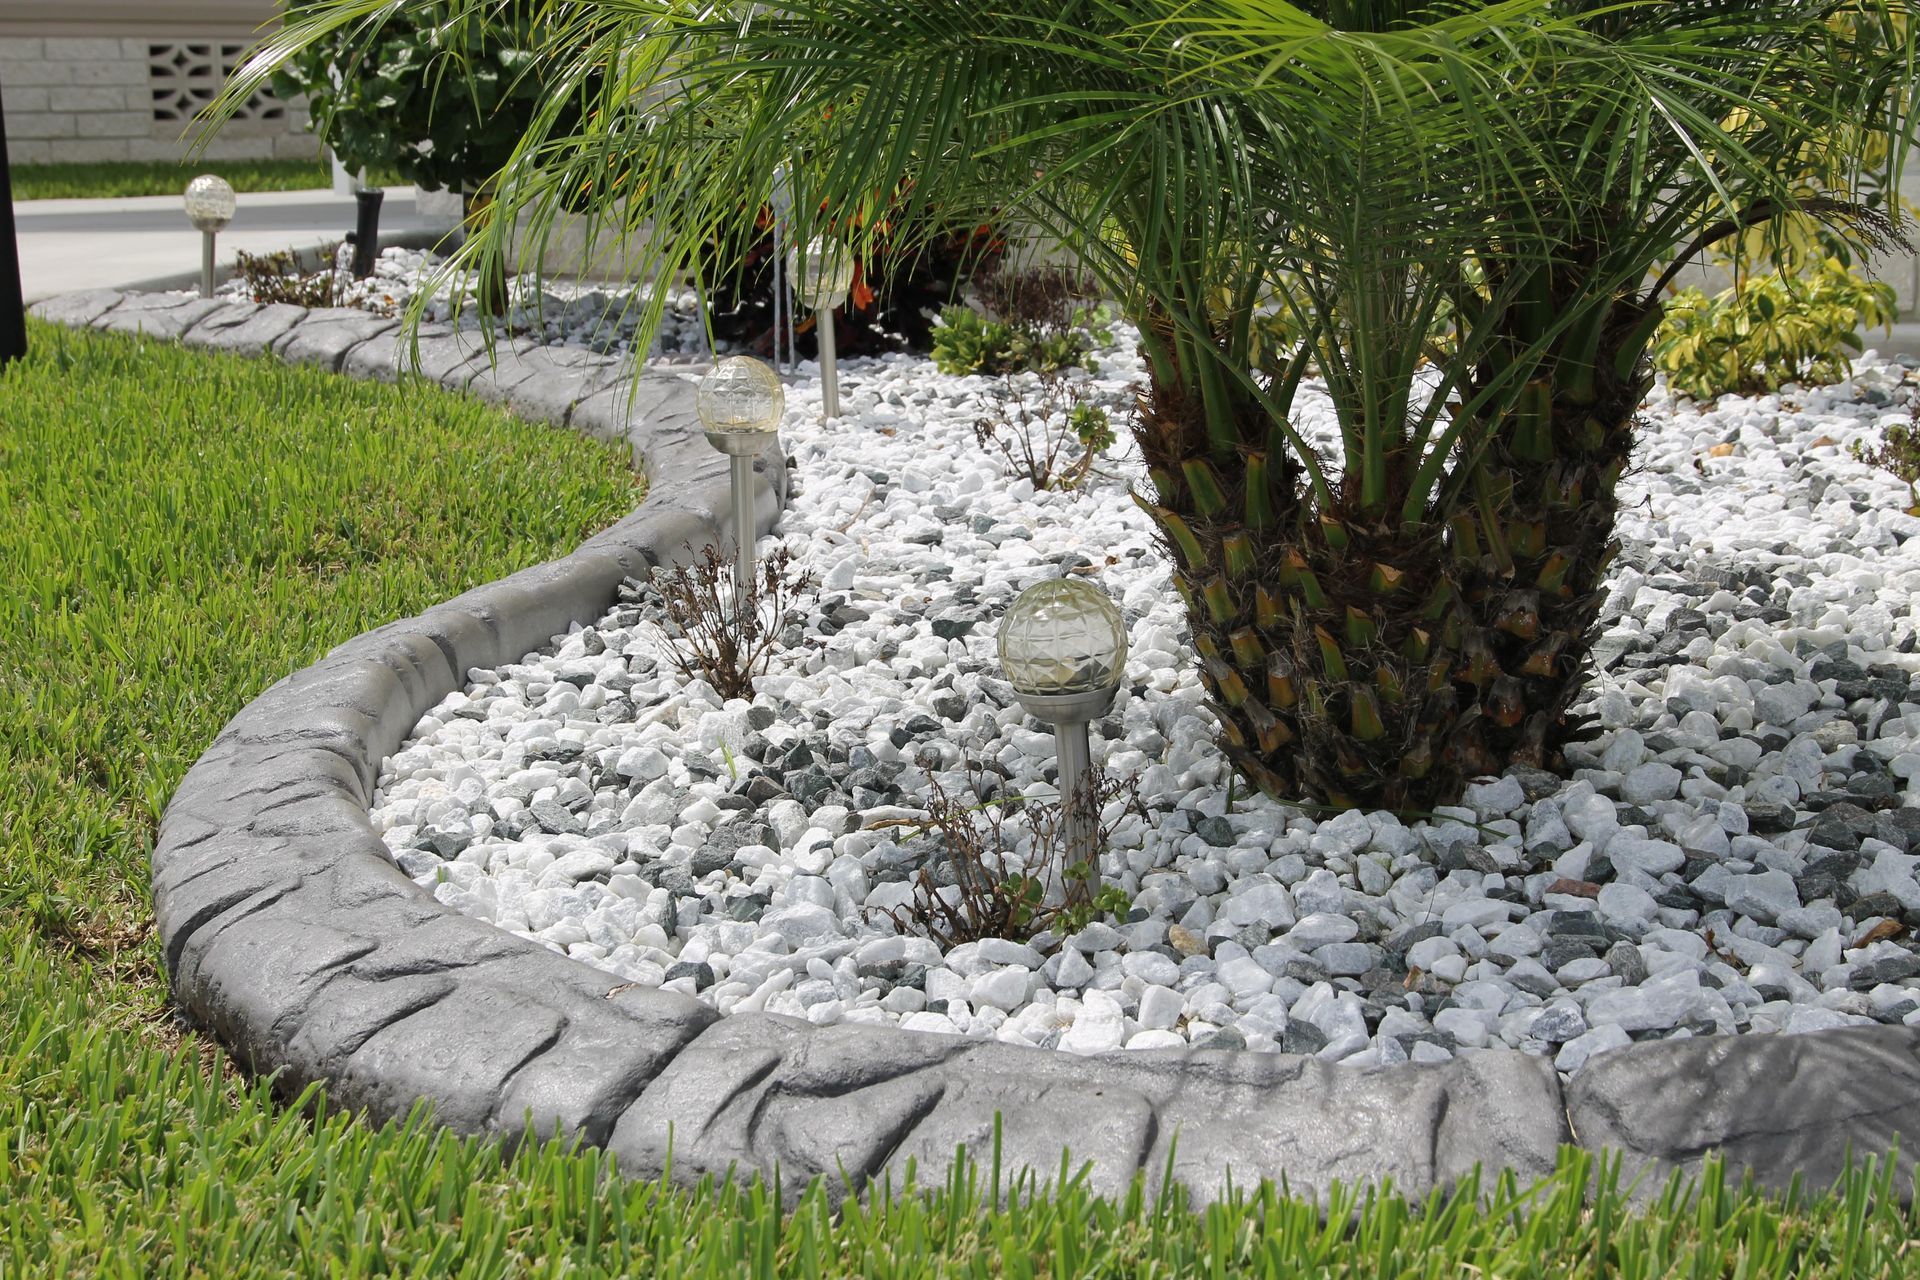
<point>366,233</point>
<point>13,312</point>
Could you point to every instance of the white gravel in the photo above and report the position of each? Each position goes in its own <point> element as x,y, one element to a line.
<point>1703,871</point>
<point>556,313</point>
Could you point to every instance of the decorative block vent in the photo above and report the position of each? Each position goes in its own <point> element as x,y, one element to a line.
<point>184,78</point>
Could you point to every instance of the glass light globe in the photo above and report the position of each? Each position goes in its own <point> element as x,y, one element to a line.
<point>741,396</point>
<point>822,275</point>
<point>1063,636</point>
<point>210,202</point>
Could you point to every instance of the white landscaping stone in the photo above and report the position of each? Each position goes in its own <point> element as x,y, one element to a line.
<point>1574,1053</point>
<point>1160,1008</point>
<point>1319,929</point>
<point>1627,905</point>
<point>1266,904</point>
<point>1646,856</point>
<point>1099,1026</point>
<point>1650,783</point>
<point>1765,897</point>
<point>1005,989</point>
<point>797,903</point>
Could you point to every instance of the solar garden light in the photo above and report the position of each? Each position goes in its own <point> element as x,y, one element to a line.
<point>821,278</point>
<point>1063,646</point>
<point>210,205</point>
<point>740,403</point>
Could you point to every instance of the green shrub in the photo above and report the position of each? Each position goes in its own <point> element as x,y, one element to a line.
<point>1769,330</point>
<point>1092,427</point>
<point>965,341</point>
<point>1034,430</point>
<point>438,100</point>
<point>1043,320</point>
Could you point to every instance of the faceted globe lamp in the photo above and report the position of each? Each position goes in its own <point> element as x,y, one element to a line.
<point>210,205</point>
<point>740,403</point>
<point>1063,646</point>
<point>821,277</point>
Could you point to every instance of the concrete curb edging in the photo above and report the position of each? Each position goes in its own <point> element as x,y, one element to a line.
<point>292,937</point>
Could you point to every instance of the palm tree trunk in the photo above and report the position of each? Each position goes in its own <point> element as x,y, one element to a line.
<point>1533,552</point>
<point>1356,661</point>
<point>1318,633</point>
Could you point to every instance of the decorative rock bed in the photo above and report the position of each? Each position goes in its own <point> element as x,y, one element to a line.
<point>291,934</point>
<point>1690,880</point>
<point>599,318</point>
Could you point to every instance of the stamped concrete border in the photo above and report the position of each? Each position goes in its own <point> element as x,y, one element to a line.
<point>292,937</point>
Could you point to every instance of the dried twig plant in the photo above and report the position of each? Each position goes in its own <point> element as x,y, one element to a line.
<point>279,277</point>
<point>1054,439</point>
<point>1038,298</point>
<point>1898,453</point>
<point>713,636</point>
<point>1002,870</point>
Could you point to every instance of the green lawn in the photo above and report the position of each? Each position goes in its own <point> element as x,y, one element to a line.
<point>161,178</point>
<point>179,530</point>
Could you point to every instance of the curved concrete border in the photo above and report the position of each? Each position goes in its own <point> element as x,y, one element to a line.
<point>291,936</point>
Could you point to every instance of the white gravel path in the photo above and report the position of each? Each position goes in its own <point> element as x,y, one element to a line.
<point>1736,853</point>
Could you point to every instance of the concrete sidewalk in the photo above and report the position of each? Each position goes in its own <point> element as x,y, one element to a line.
<point>146,241</point>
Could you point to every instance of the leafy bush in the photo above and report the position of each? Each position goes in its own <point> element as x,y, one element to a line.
<point>1769,330</point>
<point>1043,319</point>
<point>437,100</point>
<point>965,341</point>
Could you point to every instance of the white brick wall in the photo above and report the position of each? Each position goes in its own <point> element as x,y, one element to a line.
<point>92,98</point>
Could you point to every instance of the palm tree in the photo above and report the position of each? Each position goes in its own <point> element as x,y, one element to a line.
<point>1456,204</point>
<point>1701,129</point>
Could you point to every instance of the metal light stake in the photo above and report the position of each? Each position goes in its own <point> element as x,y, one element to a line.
<point>366,230</point>
<point>1063,646</point>
<point>829,365</point>
<point>783,351</point>
<point>740,403</point>
<point>210,205</point>
<point>821,277</point>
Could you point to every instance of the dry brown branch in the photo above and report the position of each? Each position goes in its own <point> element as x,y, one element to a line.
<point>712,636</point>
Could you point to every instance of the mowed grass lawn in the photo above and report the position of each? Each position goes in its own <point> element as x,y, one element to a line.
<point>98,179</point>
<point>177,531</point>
